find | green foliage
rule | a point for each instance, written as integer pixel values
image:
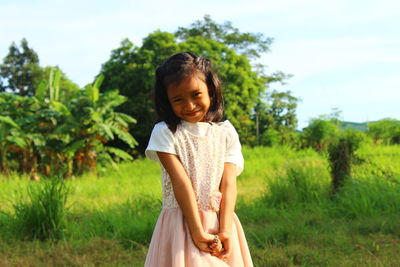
(368, 198)
(42, 215)
(304, 181)
(270, 137)
(377, 161)
(297, 223)
(8, 136)
(131, 222)
(54, 80)
(249, 44)
(386, 131)
(319, 134)
(61, 132)
(276, 116)
(242, 86)
(20, 72)
(341, 153)
(131, 69)
(362, 127)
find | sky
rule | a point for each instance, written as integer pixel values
(343, 54)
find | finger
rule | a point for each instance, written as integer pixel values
(217, 246)
(213, 245)
(209, 237)
(206, 250)
(227, 250)
(226, 253)
(225, 256)
(227, 246)
(216, 254)
(216, 250)
(204, 247)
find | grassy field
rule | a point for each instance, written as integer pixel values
(287, 211)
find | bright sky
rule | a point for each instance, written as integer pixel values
(343, 54)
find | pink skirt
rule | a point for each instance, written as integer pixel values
(172, 246)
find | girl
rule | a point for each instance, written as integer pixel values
(200, 158)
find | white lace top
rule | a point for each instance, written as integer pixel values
(203, 148)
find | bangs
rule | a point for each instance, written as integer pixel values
(176, 78)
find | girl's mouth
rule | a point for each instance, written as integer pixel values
(191, 114)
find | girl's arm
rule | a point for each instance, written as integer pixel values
(185, 197)
(229, 193)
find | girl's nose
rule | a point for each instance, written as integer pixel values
(189, 105)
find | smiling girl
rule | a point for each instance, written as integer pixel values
(200, 158)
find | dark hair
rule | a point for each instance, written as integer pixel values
(173, 71)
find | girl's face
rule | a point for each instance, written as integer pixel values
(189, 99)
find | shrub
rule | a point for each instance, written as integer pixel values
(385, 131)
(270, 137)
(319, 134)
(341, 154)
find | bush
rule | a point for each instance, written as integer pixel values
(341, 154)
(319, 134)
(385, 131)
(271, 137)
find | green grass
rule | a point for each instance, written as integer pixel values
(42, 215)
(284, 203)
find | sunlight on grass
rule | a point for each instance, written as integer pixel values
(284, 203)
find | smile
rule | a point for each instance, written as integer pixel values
(192, 113)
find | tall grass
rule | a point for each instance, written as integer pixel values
(379, 162)
(42, 214)
(131, 222)
(304, 181)
(284, 204)
(368, 198)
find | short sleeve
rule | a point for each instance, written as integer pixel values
(161, 140)
(233, 152)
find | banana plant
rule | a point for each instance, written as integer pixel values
(9, 131)
(57, 125)
(50, 87)
(100, 124)
(50, 132)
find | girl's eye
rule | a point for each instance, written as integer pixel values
(176, 100)
(197, 94)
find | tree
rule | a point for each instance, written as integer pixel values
(249, 44)
(276, 116)
(385, 131)
(20, 72)
(242, 86)
(67, 87)
(52, 134)
(319, 134)
(131, 70)
(9, 132)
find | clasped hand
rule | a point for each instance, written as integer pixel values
(218, 245)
